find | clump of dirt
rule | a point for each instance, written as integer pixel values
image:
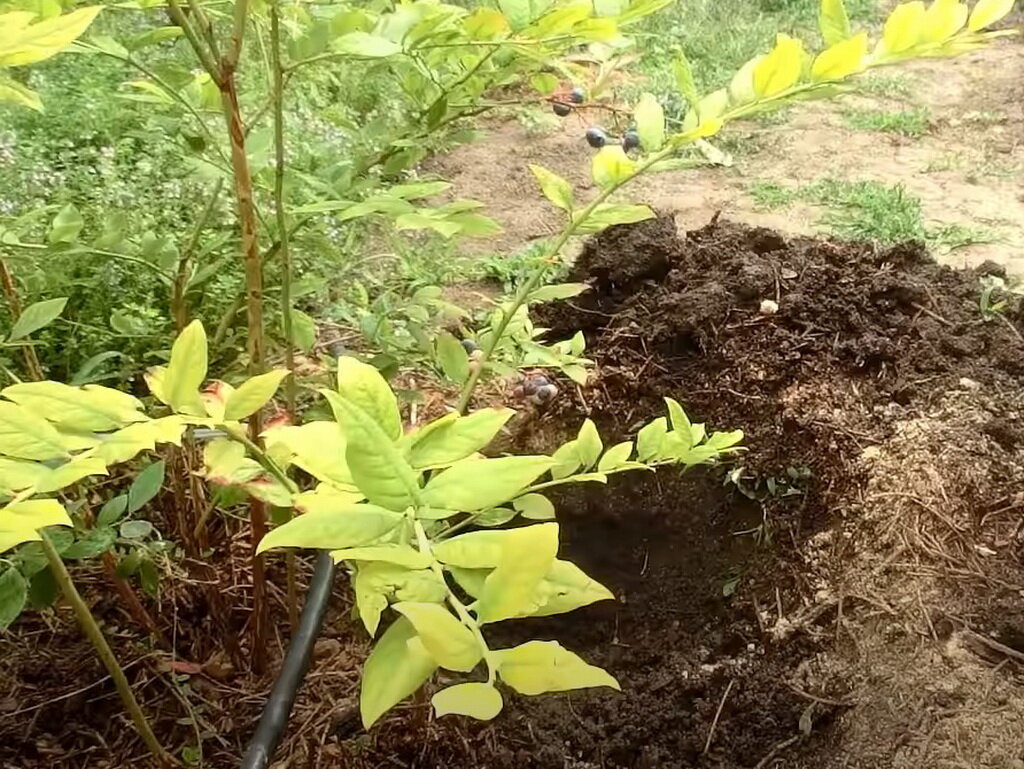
(866, 613)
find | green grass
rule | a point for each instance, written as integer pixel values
(719, 36)
(913, 123)
(886, 85)
(869, 210)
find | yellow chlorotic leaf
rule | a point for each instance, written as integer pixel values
(14, 92)
(904, 27)
(834, 21)
(780, 69)
(485, 24)
(448, 641)
(611, 166)
(476, 700)
(72, 472)
(326, 498)
(944, 19)
(362, 385)
(842, 59)
(316, 447)
(526, 557)
(395, 669)
(555, 188)
(538, 667)
(253, 394)
(356, 525)
(16, 475)
(187, 370)
(126, 443)
(24, 435)
(20, 521)
(88, 409)
(988, 12)
(650, 123)
(22, 43)
(741, 88)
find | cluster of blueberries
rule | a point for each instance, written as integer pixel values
(535, 388)
(597, 137)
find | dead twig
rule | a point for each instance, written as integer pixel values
(718, 714)
(778, 748)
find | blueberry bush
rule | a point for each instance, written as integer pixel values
(441, 539)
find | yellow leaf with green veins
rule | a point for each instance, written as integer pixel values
(616, 456)
(362, 385)
(449, 642)
(376, 582)
(71, 472)
(588, 444)
(988, 12)
(780, 69)
(842, 59)
(253, 394)
(186, 371)
(475, 550)
(944, 19)
(476, 700)
(395, 669)
(479, 484)
(538, 667)
(23, 435)
(526, 556)
(378, 469)
(400, 555)
(904, 27)
(326, 498)
(453, 438)
(122, 445)
(16, 474)
(20, 521)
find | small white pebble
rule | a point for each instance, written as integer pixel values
(969, 384)
(769, 307)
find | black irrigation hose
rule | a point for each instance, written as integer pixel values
(293, 671)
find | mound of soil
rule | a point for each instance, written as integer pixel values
(855, 600)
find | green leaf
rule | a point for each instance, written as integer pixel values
(135, 529)
(187, 370)
(544, 83)
(378, 469)
(448, 641)
(25, 435)
(112, 511)
(557, 291)
(13, 593)
(66, 226)
(146, 486)
(13, 92)
(349, 526)
(478, 484)
(94, 543)
(611, 166)
(42, 589)
(987, 13)
(253, 394)
(37, 316)
(526, 556)
(394, 670)
(365, 44)
(834, 21)
(588, 444)
(555, 188)
(536, 507)
(453, 438)
(303, 330)
(362, 385)
(615, 457)
(567, 460)
(538, 667)
(650, 123)
(650, 438)
(476, 700)
(684, 80)
(453, 357)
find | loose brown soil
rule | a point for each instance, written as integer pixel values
(874, 619)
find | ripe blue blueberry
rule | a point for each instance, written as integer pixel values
(545, 394)
(630, 141)
(469, 345)
(577, 95)
(596, 137)
(561, 109)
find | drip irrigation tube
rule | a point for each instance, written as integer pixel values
(293, 671)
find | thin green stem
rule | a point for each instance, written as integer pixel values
(524, 291)
(179, 308)
(92, 631)
(177, 14)
(261, 456)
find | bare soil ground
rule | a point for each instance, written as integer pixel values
(967, 169)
